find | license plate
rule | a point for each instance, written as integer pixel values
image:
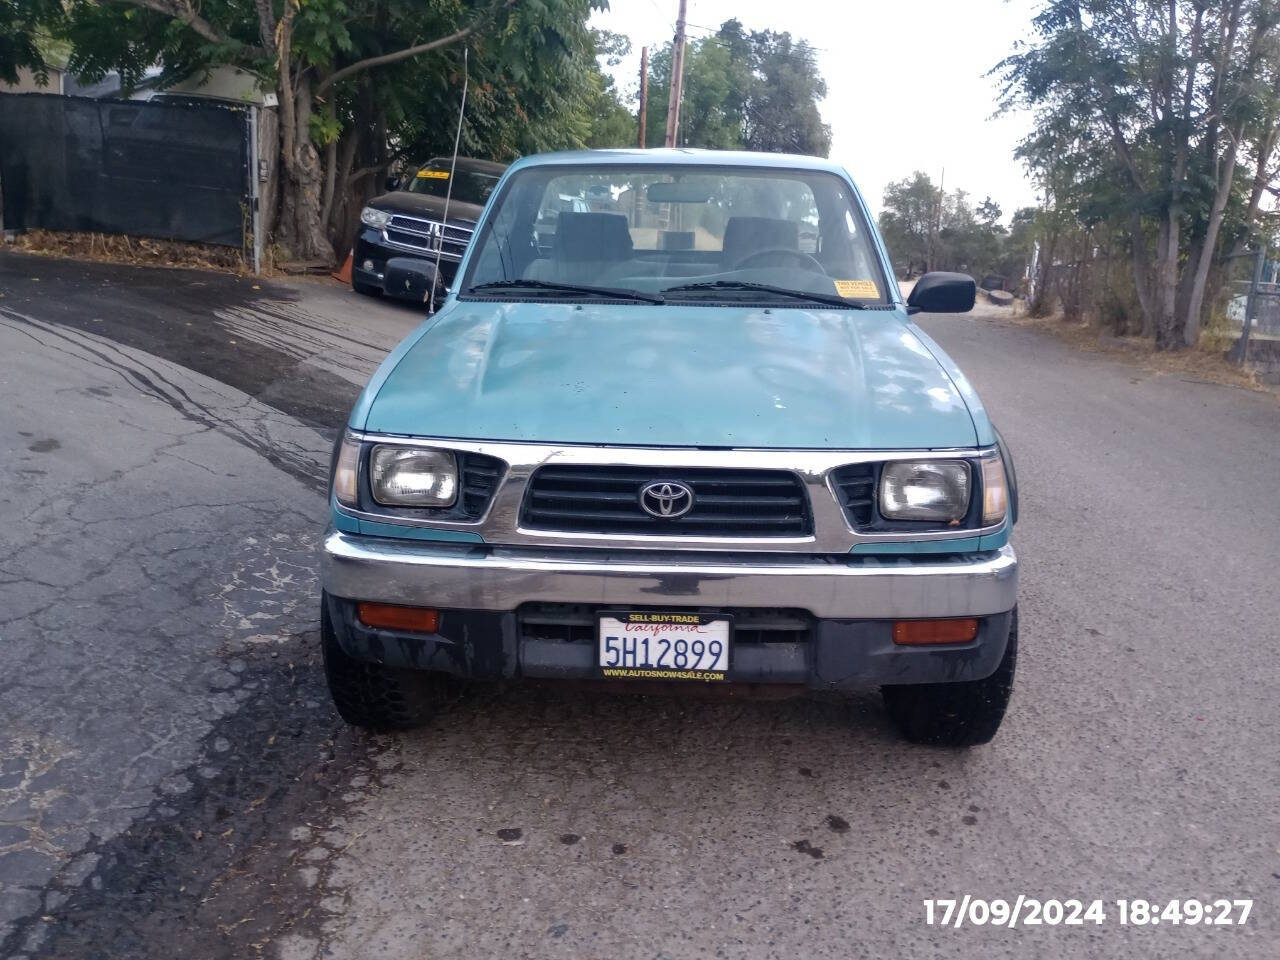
(664, 646)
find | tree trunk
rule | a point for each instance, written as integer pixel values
(335, 221)
(1187, 277)
(1040, 303)
(330, 163)
(1195, 302)
(1168, 332)
(301, 230)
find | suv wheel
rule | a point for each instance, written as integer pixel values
(368, 289)
(374, 696)
(960, 714)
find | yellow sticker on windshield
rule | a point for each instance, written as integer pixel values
(857, 289)
(433, 174)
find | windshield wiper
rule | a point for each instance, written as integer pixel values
(612, 293)
(832, 299)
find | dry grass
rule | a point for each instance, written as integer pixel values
(113, 248)
(1206, 363)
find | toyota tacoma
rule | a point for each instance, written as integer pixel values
(674, 427)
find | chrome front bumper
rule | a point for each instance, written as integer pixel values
(488, 578)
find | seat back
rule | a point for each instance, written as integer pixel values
(592, 236)
(744, 236)
(586, 244)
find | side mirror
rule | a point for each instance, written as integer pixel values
(940, 292)
(392, 184)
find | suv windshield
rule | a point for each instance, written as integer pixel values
(468, 186)
(688, 233)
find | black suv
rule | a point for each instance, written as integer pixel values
(402, 231)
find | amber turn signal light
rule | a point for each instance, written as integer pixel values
(923, 632)
(391, 617)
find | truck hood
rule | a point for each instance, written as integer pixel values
(640, 375)
(425, 205)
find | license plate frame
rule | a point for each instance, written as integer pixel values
(660, 626)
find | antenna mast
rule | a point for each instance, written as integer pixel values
(448, 193)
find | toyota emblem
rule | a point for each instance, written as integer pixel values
(666, 499)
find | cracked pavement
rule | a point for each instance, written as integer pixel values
(174, 782)
(158, 535)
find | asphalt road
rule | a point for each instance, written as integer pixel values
(173, 781)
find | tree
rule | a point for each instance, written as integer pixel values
(754, 91)
(908, 219)
(359, 82)
(926, 228)
(782, 115)
(709, 116)
(21, 26)
(1152, 101)
(613, 123)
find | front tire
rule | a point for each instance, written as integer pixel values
(374, 696)
(366, 289)
(962, 714)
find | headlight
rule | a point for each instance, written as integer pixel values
(375, 218)
(995, 491)
(935, 490)
(345, 470)
(413, 476)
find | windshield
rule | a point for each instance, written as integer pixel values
(684, 232)
(468, 186)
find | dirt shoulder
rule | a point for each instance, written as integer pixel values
(1207, 363)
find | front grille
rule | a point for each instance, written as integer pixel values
(577, 622)
(855, 487)
(419, 235)
(727, 503)
(479, 475)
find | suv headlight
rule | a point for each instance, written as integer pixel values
(413, 476)
(375, 218)
(935, 490)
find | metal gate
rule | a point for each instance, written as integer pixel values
(1254, 304)
(175, 170)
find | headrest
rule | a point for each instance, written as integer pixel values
(747, 235)
(592, 236)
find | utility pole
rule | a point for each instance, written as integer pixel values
(644, 94)
(677, 78)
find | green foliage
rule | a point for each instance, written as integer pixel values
(1155, 128)
(613, 122)
(782, 113)
(753, 91)
(529, 90)
(907, 221)
(324, 129)
(24, 37)
(927, 230)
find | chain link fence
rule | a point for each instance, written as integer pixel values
(1251, 291)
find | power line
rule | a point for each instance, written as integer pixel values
(701, 26)
(663, 16)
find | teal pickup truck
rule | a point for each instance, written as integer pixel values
(674, 427)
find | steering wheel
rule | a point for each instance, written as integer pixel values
(802, 258)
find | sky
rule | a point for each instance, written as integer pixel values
(906, 84)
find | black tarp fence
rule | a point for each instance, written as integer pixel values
(175, 171)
